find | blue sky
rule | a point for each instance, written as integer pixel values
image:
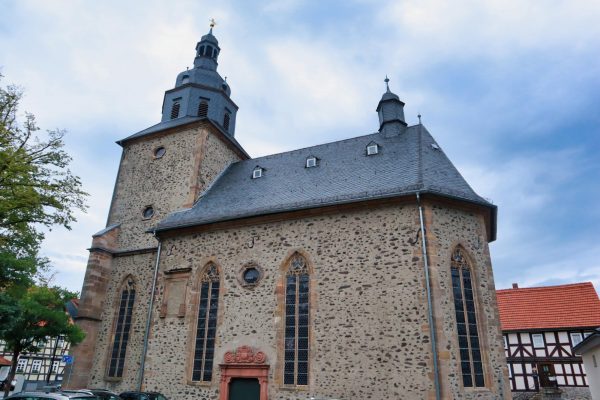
(510, 90)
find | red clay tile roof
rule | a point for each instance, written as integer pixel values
(563, 306)
(4, 362)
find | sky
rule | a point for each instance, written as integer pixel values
(509, 89)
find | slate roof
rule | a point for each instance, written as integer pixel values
(406, 164)
(173, 123)
(550, 307)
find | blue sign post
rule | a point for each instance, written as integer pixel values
(67, 359)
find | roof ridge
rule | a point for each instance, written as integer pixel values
(512, 290)
(321, 144)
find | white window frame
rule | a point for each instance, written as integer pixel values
(257, 173)
(572, 334)
(311, 162)
(505, 340)
(35, 363)
(372, 149)
(55, 366)
(21, 364)
(539, 343)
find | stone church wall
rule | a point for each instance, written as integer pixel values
(370, 337)
(193, 158)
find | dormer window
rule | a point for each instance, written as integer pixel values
(185, 79)
(311, 162)
(372, 149)
(257, 173)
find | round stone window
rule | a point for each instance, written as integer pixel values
(250, 275)
(159, 152)
(148, 212)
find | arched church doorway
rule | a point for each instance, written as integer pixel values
(244, 375)
(244, 389)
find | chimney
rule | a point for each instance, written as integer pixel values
(515, 285)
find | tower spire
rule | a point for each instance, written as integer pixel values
(387, 84)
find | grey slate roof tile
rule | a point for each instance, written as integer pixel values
(406, 164)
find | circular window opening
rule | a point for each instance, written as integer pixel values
(148, 212)
(159, 152)
(251, 276)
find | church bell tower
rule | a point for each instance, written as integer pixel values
(201, 91)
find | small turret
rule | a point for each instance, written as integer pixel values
(391, 113)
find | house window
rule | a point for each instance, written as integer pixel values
(538, 340)
(21, 364)
(203, 108)
(35, 366)
(175, 109)
(505, 342)
(206, 324)
(122, 329)
(372, 149)
(226, 119)
(576, 338)
(55, 365)
(296, 322)
(311, 162)
(466, 320)
(257, 173)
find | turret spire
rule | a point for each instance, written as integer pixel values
(391, 112)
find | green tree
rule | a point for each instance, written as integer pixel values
(26, 323)
(37, 190)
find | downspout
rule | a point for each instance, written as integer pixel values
(436, 374)
(149, 320)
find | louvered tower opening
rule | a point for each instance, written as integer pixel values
(203, 109)
(175, 110)
(226, 121)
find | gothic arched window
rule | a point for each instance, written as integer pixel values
(206, 326)
(296, 322)
(466, 320)
(122, 327)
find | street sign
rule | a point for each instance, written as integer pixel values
(67, 359)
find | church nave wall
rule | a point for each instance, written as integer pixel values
(369, 335)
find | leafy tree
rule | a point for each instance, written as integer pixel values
(26, 323)
(37, 190)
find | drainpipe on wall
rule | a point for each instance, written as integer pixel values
(149, 320)
(436, 374)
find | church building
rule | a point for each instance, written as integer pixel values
(357, 269)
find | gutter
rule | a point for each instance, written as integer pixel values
(436, 373)
(149, 319)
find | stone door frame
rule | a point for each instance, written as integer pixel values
(244, 363)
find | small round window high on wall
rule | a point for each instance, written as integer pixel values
(148, 212)
(250, 275)
(159, 152)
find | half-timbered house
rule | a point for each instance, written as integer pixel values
(541, 325)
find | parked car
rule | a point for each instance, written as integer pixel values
(51, 396)
(142, 396)
(101, 394)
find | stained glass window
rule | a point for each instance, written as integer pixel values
(122, 328)
(466, 321)
(206, 326)
(296, 323)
